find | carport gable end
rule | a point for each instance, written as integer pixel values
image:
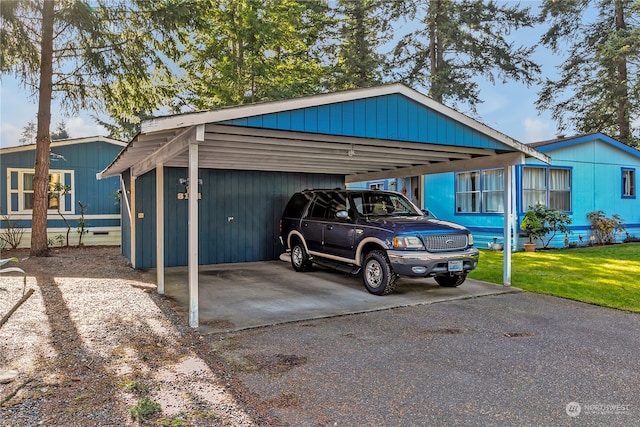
(377, 127)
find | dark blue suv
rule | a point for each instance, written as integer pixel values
(379, 233)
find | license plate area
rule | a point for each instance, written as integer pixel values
(454, 265)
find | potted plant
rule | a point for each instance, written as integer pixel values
(534, 228)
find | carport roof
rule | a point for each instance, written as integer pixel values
(373, 133)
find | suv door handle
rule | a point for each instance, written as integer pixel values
(329, 227)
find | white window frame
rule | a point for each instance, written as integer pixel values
(628, 183)
(20, 191)
(482, 193)
(546, 190)
(486, 190)
(474, 193)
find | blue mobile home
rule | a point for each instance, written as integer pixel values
(74, 163)
(587, 173)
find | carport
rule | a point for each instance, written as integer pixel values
(390, 131)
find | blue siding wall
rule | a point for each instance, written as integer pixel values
(393, 117)
(596, 185)
(255, 201)
(85, 159)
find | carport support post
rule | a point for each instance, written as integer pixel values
(193, 227)
(134, 216)
(160, 227)
(508, 222)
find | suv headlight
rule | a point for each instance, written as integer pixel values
(407, 242)
(470, 239)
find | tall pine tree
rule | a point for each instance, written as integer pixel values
(457, 42)
(598, 88)
(91, 55)
(362, 27)
(243, 51)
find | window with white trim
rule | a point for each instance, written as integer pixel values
(560, 189)
(480, 191)
(549, 187)
(493, 191)
(628, 183)
(20, 190)
(468, 192)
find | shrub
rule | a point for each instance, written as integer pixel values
(12, 235)
(540, 220)
(532, 225)
(144, 409)
(82, 223)
(604, 229)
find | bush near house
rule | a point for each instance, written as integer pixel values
(543, 223)
(604, 229)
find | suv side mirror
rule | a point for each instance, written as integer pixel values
(342, 215)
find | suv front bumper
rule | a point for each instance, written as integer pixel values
(428, 264)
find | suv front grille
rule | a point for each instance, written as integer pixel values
(446, 242)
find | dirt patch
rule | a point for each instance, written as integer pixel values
(94, 344)
(276, 364)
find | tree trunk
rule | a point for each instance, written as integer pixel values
(39, 244)
(624, 121)
(435, 51)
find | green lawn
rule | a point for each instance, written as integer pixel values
(602, 275)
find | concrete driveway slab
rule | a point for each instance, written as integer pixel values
(240, 296)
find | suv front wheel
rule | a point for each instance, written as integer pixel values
(377, 274)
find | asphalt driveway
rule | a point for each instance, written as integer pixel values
(315, 349)
(511, 359)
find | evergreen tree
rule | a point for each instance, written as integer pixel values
(28, 133)
(92, 54)
(61, 132)
(598, 89)
(363, 27)
(458, 41)
(247, 51)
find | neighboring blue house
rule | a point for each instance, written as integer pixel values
(74, 162)
(587, 173)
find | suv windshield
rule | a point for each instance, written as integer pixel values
(383, 204)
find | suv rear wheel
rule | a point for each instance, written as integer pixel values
(450, 281)
(299, 258)
(377, 274)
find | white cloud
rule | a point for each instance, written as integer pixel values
(537, 130)
(79, 128)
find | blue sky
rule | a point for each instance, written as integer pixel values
(508, 108)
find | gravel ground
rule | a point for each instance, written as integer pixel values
(94, 340)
